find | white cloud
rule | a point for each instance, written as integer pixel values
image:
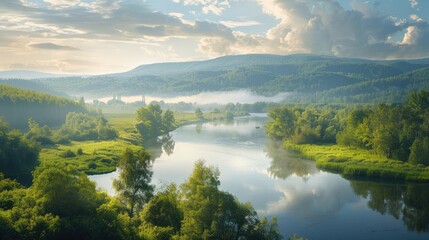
(325, 27)
(62, 3)
(235, 24)
(175, 14)
(416, 18)
(207, 6)
(414, 3)
(212, 8)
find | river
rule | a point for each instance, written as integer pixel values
(307, 201)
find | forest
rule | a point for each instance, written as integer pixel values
(393, 132)
(18, 105)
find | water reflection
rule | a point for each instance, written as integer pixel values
(164, 144)
(409, 202)
(285, 163)
(312, 203)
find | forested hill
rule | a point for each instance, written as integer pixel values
(309, 77)
(32, 85)
(18, 105)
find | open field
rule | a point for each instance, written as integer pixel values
(102, 156)
(98, 156)
(354, 162)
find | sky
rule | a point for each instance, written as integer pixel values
(106, 36)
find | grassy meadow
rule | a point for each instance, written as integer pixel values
(99, 157)
(355, 162)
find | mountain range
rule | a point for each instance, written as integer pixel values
(309, 78)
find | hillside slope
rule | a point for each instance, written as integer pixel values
(18, 105)
(304, 75)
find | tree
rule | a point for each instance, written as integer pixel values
(420, 151)
(213, 214)
(282, 123)
(18, 155)
(152, 122)
(199, 114)
(168, 121)
(64, 192)
(163, 210)
(133, 184)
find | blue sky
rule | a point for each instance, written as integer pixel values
(103, 36)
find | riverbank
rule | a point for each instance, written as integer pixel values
(99, 157)
(354, 162)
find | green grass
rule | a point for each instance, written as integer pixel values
(98, 156)
(354, 162)
(102, 156)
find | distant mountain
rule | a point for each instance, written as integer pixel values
(218, 64)
(25, 74)
(309, 78)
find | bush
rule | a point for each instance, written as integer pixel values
(68, 154)
(79, 151)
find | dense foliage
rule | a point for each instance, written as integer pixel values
(133, 185)
(77, 127)
(307, 78)
(395, 131)
(304, 125)
(17, 106)
(18, 156)
(63, 203)
(152, 121)
(83, 126)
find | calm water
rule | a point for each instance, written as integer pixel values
(307, 201)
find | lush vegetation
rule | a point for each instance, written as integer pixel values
(371, 138)
(307, 78)
(18, 156)
(77, 127)
(17, 106)
(63, 204)
(152, 121)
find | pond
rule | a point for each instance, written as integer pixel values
(307, 201)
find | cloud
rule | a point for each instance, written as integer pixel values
(52, 46)
(325, 27)
(126, 21)
(207, 6)
(62, 3)
(235, 24)
(127, 28)
(177, 15)
(414, 3)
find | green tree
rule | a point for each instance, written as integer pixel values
(18, 155)
(168, 121)
(133, 184)
(213, 214)
(64, 192)
(199, 114)
(420, 151)
(163, 210)
(282, 123)
(153, 122)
